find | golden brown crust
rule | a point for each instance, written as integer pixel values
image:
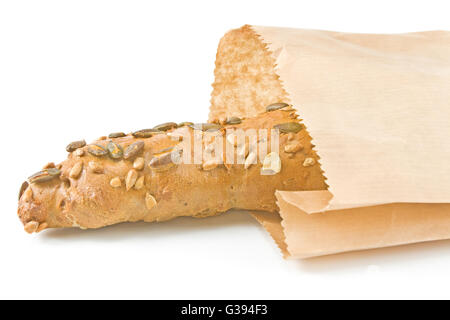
(90, 199)
(245, 78)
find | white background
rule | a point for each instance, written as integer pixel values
(82, 69)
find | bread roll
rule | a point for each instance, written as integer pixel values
(128, 178)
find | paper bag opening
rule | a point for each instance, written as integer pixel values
(377, 109)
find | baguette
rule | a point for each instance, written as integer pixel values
(126, 178)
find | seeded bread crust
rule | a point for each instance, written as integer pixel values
(91, 191)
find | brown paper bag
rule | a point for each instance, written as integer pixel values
(378, 110)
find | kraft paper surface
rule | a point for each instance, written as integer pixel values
(377, 108)
(302, 235)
